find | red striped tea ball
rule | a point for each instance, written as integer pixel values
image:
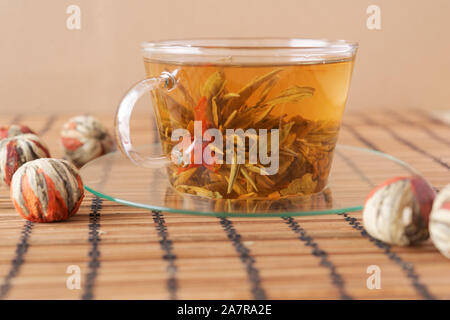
(14, 130)
(47, 190)
(440, 222)
(398, 210)
(84, 138)
(17, 150)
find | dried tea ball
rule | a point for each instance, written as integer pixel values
(440, 222)
(14, 130)
(398, 210)
(17, 150)
(47, 190)
(84, 138)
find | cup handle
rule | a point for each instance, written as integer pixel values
(122, 122)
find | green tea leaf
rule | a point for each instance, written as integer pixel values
(285, 130)
(199, 191)
(229, 119)
(247, 91)
(267, 89)
(215, 111)
(248, 178)
(261, 113)
(303, 185)
(292, 94)
(177, 111)
(184, 176)
(234, 172)
(230, 95)
(213, 85)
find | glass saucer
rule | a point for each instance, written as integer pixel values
(354, 173)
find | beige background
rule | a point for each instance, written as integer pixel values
(45, 67)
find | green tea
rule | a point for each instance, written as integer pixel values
(302, 103)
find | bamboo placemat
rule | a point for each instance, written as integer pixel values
(131, 253)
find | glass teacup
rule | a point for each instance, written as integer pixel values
(243, 118)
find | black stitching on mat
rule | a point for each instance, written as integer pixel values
(405, 142)
(359, 172)
(48, 124)
(94, 253)
(167, 247)
(18, 260)
(164, 241)
(368, 144)
(94, 238)
(17, 118)
(360, 137)
(244, 254)
(431, 119)
(336, 278)
(407, 267)
(432, 134)
(22, 246)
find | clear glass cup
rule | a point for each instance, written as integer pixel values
(243, 118)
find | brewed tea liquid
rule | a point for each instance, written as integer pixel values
(305, 102)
